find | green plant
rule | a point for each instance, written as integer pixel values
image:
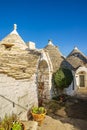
(38, 110)
(17, 126)
(41, 109)
(7, 122)
(62, 79)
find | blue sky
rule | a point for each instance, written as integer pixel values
(62, 21)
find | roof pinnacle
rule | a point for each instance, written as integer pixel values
(15, 26)
(75, 48)
(50, 42)
(15, 30)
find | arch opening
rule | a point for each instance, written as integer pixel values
(43, 82)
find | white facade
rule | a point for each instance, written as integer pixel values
(17, 96)
(80, 74)
(78, 85)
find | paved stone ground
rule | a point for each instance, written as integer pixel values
(30, 125)
(66, 124)
(52, 124)
(73, 117)
(57, 124)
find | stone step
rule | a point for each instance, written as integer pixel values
(30, 125)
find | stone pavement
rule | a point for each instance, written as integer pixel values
(53, 124)
(30, 125)
(68, 124)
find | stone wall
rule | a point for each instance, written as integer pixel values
(17, 96)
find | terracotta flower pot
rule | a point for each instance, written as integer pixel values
(39, 117)
(23, 126)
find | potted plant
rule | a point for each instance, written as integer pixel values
(11, 123)
(38, 114)
(7, 121)
(18, 126)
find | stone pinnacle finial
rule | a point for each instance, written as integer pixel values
(15, 26)
(75, 48)
(50, 42)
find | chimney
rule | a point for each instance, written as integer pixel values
(31, 45)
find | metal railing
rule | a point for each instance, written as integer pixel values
(14, 103)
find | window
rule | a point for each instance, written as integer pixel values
(82, 80)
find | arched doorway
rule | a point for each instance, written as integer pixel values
(43, 82)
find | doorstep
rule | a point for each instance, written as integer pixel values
(30, 125)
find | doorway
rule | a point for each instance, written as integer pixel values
(82, 80)
(43, 82)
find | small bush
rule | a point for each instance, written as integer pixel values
(62, 78)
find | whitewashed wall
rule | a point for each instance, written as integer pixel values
(71, 90)
(17, 96)
(81, 69)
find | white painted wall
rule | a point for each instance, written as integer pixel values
(31, 45)
(22, 92)
(70, 90)
(81, 69)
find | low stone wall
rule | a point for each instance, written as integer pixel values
(17, 96)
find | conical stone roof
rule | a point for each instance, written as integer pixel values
(55, 55)
(14, 39)
(15, 60)
(76, 58)
(19, 65)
